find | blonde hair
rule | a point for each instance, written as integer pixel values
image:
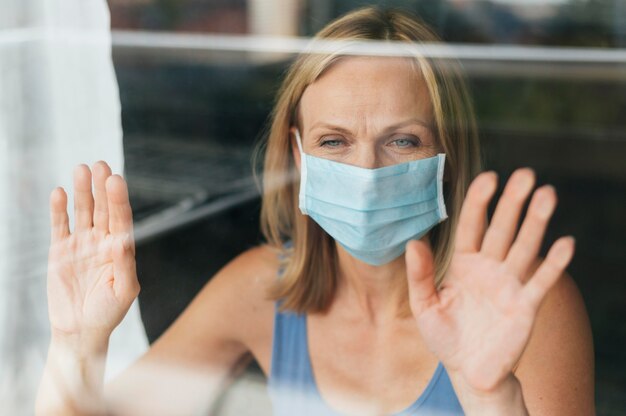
(309, 269)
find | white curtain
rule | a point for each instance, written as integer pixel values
(59, 106)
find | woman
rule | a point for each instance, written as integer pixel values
(389, 292)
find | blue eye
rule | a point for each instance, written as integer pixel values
(406, 142)
(331, 143)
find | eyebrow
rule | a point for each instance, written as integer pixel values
(321, 124)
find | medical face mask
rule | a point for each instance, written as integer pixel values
(372, 213)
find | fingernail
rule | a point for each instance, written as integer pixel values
(565, 251)
(545, 205)
(526, 182)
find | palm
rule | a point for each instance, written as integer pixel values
(482, 316)
(480, 320)
(91, 276)
(80, 284)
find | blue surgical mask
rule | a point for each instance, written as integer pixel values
(372, 213)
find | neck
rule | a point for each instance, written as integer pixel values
(377, 294)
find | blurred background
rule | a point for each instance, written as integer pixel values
(197, 79)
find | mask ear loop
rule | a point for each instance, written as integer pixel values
(303, 176)
(299, 141)
(441, 159)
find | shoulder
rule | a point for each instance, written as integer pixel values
(556, 369)
(232, 311)
(247, 275)
(240, 290)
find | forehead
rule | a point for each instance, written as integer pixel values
(375, 88)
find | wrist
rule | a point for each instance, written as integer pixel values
(73, 377)
(504, 399)
(83, 344)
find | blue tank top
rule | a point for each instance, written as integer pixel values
(293, 391)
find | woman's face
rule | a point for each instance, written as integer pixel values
(368, 112)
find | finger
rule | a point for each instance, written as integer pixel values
(125, 284)
(59, 220)
(528, 242)
(473, 217)
(101, 171)
(421, 276)
(559, 256)
(83, 199)
(503, 225)
(120, 214)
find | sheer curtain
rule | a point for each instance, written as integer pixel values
(59, 106)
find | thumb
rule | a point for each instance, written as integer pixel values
(125, 285)
(420, 270)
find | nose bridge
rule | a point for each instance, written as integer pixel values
(367, 150)
(367, 154)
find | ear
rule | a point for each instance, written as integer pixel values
(294, 146)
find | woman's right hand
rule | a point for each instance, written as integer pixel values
(92, 278)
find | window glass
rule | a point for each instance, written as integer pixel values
(197, 84)
(548, 79)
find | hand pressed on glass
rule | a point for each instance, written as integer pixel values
(480, 320)
(92, 279)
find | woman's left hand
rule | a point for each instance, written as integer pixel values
(479, 321)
